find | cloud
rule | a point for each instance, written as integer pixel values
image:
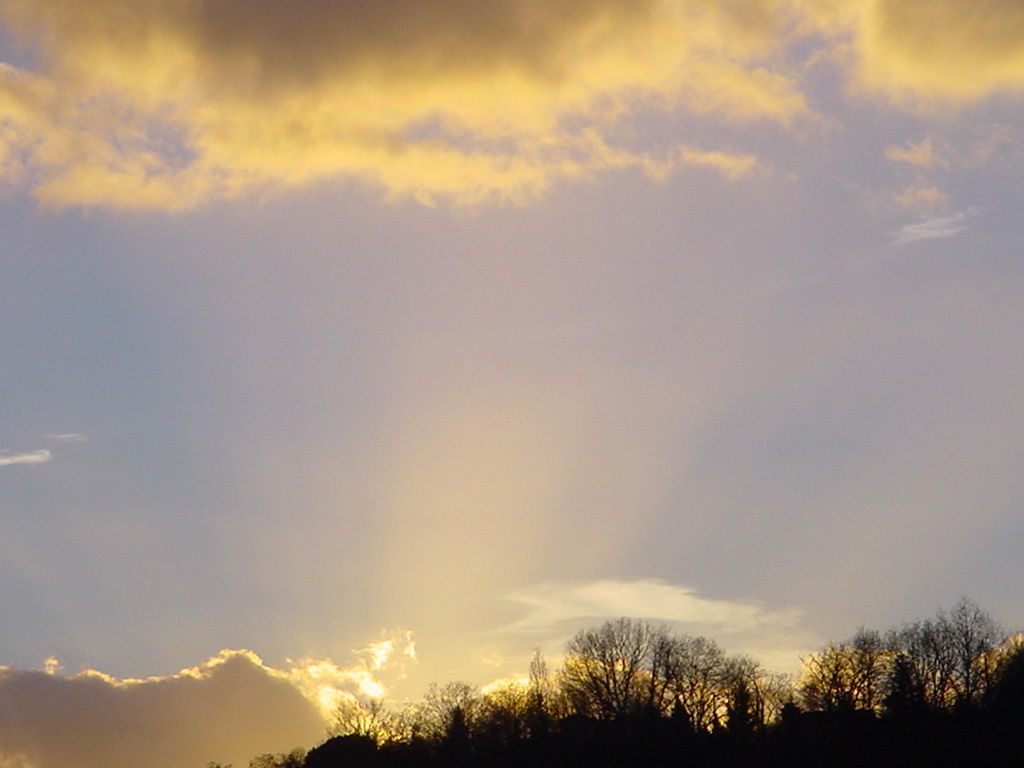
(554, 603)
(226, 710)
(165, 104)
(936, 227)
(32, 457)
(69, 437)
(924, 154)
(921, 196)
(556, 609)
(929, 52)
(379, 665)
(168, 105)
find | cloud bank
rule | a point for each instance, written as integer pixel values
(163, 104)
(168, 104)
(226, 710)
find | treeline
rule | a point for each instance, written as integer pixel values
(948, 691)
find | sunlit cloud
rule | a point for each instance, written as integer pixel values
(168, 105)
(379, 665)
(551, 604)
(556, 610)
(929, 54)
(31, 457)
(933, 228)
(226, 710)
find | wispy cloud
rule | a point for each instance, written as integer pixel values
(552, 603)
(32, 457)
(556, 610)
(69, 437)
(935, 227)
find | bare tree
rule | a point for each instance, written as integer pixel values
(546, 702)
(628, 667)
(446, 710)
(926, 644)
(697, 677)
(607, 671)
(774, 690)
(847, 675)
(870, 660)
(973, 635)
(357, 717)
(953, 654)
(826, 682)
(747, 686)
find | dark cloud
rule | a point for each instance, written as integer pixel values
(227, 710)
(296, 40)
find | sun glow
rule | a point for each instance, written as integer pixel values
(377, 667)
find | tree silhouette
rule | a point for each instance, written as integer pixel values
(607, 671)
(941, 692)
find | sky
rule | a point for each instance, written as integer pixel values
(350, 347)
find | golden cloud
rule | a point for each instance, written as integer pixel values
(167, 104)
(933, 52)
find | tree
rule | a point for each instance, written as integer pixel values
(294, 759)
(973, 636)
(504, 714)
(848, 675)
(870, 660)
(697, 679)
(371, 718)
(609, 671)
(545, 702)
(926, 644)
(826, 683)
(905, 696)
(953, 653)
(750, 693)
(1006, 694)
(446, 710)
(740, 719)
(342, 751)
